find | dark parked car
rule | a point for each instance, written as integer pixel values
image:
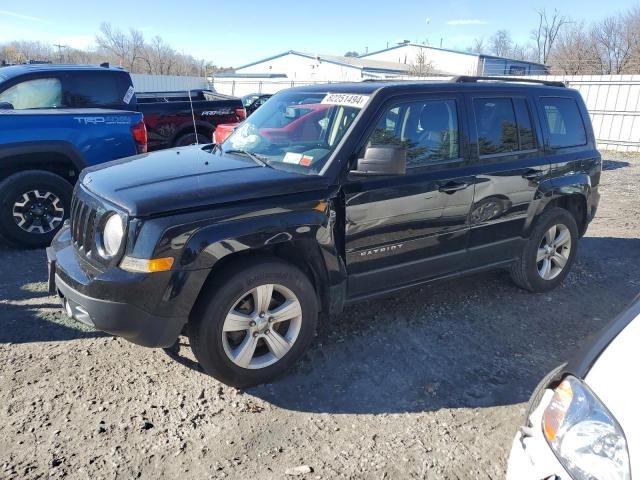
(167, 115)
(325, 196)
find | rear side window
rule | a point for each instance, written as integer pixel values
(496, 125)
(96, 89)
(566, 128)
(37, 93)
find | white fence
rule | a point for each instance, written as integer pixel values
(613, 102)
(166, 83)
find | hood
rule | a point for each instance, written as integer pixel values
(188, 178)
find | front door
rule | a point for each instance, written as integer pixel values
(405, 229)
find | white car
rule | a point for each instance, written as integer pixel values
(583, 421)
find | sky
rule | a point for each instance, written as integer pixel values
(233, 33)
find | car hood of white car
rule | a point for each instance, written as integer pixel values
(614, 379)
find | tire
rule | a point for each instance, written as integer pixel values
(48, 193)
(529, 273)
(190, 139)
(237, 290)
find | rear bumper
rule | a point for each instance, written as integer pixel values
(147, 309)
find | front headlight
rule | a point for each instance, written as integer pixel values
(112, 235)
(584, 435)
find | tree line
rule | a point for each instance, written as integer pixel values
(608, 47)
(128, 49)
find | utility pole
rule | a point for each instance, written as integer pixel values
(60, 47)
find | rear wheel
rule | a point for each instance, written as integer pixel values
(549, 252)
(255, 324)
(190, 139)
(33, 206)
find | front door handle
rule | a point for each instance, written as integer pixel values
(532, 174)
(451, 187)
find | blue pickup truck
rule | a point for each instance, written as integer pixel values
(41, 154)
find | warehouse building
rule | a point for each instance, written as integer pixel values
(295, 65)
(454, 62)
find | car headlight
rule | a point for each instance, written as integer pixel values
(112, 235)
(584, 435)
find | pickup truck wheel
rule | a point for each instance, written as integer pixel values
(190, 139)
(549, 252)
(33, 206)
(255, 323)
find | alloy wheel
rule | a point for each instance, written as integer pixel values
(553, 252)
(38, 211)
(262, 326)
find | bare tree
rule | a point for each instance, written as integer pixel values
(421, 67)
(545, 36)
(501, 44)
(575, 52)
(616, 41)
(478, 46)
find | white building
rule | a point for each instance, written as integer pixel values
(454, 62)
(294, 65)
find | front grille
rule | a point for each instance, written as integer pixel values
(83, 224)
(88, 214)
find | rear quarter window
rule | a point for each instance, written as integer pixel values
(97, 89)
(564, 121)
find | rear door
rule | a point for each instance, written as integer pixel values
(405, 229)
(510, 163)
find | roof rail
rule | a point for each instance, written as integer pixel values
(471, 79)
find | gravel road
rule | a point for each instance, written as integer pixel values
(428, 383)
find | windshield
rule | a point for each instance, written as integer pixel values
(296, 131)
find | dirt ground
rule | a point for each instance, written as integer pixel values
(429, 383)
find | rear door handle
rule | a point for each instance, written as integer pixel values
(451, 187)
(532, 174)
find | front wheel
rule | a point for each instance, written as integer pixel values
(33, 206)
(549, 252)
(252, 325)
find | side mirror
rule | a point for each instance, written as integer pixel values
(382, 160)
(6, 106)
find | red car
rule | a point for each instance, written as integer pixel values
(298, 122)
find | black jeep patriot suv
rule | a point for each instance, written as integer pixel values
(327, 195)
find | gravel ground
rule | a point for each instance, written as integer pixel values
(429, 383)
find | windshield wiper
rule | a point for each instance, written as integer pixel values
(260, 161)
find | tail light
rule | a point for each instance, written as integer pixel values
(139, 132)
(241, 113)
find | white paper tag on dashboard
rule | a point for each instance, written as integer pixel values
(292, 157)
(345, 99)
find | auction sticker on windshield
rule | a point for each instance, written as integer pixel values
(345, 99)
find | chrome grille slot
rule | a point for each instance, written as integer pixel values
(83, 218)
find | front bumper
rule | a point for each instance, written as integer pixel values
(146, 309)
(531, 457)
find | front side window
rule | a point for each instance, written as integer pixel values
(38, 93)
(428, 129)
(296, 131)
(564, 120)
